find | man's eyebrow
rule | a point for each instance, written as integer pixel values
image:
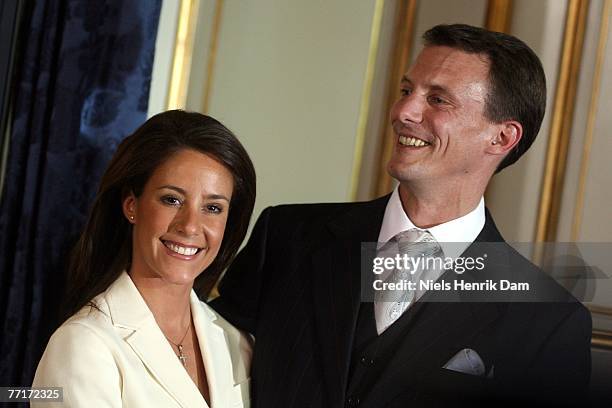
(432, 87)
(440, 88)
(183, 192)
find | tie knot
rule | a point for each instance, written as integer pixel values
(415, 241)
(414, 235)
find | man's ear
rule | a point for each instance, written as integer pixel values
(129, 207)
(508, 136)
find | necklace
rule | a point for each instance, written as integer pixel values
(181, 356)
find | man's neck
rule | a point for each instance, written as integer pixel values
(427, 208)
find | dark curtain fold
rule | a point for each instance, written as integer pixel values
(82, 86)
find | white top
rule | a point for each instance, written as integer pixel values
(457, 234)
(117, 356)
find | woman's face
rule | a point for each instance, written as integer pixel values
(179, 219)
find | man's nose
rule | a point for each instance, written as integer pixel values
(409, 108)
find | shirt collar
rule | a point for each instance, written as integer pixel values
(457, 234)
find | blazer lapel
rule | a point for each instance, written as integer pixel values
(131, 316)
(216, 355)
(336, 264)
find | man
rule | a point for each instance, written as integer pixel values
(471, 104)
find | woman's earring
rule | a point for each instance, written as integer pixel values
(131, 218)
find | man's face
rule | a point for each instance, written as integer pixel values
(439, 124)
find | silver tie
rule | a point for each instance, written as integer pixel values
(389, 305)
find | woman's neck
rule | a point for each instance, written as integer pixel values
(169, 303)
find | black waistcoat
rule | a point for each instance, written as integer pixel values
(371, 353)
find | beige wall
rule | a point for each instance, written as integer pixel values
(288, 80)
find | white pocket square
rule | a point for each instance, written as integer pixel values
(467, 361)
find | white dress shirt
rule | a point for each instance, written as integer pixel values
(453, 236)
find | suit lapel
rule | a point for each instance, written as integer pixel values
(132, 317)
(336, 264)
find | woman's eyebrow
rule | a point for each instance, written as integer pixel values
(175, 188)
(183, 192)
(217, 197)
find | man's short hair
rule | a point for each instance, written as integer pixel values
(517, 85)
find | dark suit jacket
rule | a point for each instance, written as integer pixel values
(296, 287)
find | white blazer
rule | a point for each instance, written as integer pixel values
(118, 357)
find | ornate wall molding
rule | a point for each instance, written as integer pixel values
(366, 94)
(183, 51)
(588, 138)
(499, 15)
(563, 112)
(403, 39)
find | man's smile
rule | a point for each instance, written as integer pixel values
(412, 141)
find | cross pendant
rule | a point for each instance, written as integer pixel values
(182, 356)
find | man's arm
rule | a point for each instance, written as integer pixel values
(563, 366)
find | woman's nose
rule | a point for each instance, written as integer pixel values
(188, 221)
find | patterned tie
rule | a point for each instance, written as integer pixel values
(389, 305)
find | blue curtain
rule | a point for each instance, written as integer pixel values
(82, 86)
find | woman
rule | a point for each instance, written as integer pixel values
(171, 211)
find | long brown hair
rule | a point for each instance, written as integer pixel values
(104, 248)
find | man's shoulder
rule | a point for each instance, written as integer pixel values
(514, 265)
(520, 268)
(322, 212)
(328, 208)
(553, 295)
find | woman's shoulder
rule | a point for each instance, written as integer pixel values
(95, 315)
(87, 342)
(85, 328)
(79, 349)
(111, 312)
(91, 324)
